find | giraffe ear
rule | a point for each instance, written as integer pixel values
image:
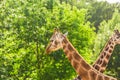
(65, 34)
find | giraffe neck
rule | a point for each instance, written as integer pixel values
(103, 59)
(84, 70)
(79, 64)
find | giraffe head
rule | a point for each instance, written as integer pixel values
(55, 41)
(117, 37)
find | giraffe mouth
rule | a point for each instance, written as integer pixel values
(48, 49)
(48, 52)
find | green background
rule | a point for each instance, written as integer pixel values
(27, 25)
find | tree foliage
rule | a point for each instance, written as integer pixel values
(106, 30)
(26, 27)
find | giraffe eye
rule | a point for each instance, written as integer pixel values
(117, 37)
(56, 42)
(51, 40)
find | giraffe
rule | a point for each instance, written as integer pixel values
(102, 61)
(83, 69)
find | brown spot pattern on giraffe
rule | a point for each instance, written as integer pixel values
(65, 41)
(100, 62)
(70, 57)
(93, 75)
(110, 51)
(70, 48)
(104, 63)
(76, 56)
(102, 70)
(64, 47)
(75, 64)
(100, 77)
(109, 43)
(101, 56)
(111, 47)
(107, 56)
(104, 53)
(86, 66)
(97, 67)
(66, 52)
(106, 48)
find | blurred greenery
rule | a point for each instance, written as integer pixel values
(27, 25)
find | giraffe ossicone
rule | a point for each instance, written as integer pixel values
(83, 69)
